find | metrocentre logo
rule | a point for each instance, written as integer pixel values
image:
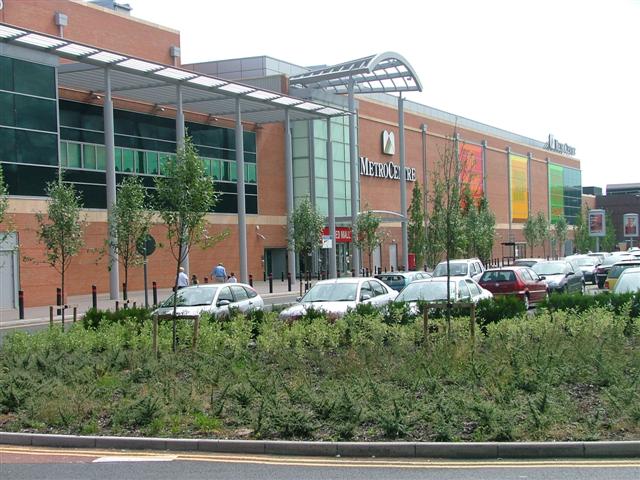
(385, 170)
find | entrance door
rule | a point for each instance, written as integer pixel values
(8, 270)
(275, 262)
(393, 256)
(375, 259)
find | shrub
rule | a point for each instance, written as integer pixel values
(498, 308)
(93, 318)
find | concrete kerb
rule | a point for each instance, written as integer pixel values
(452, 450)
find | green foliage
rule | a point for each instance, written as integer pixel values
(498, 308)
(543, 229)
(305, 229)
(583, 242)
(129, 221)
(560, 234)
(62, 229)
(416, 230)
(530, 232)
(367, 235)
(619, 303)
(93, 319)
(4, 200)
(608, 242)
(485, 231)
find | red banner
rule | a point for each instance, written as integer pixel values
(343, 234)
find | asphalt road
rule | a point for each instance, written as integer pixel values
(22, 463)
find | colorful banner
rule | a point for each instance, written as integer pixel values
(630, 224)
(556, 192)
(471, 167)
(519, 177)
(597, 226)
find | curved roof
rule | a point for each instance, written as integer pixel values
(383, 73)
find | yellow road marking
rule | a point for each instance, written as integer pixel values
(334, 462)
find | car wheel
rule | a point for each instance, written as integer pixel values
(526, 301)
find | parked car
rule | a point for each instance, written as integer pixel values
(527, 262)
(214, 299)
(522, 282)
(560, 276)
(336, 296)
(399, 280)
(467, 267)
(435, 290)
(616, 270)
(599, 256)
(629, 281)
(603, 269)
(587, 264)
(635, 251)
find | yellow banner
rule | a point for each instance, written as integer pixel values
(519, 188)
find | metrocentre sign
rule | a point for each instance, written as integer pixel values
(385, 170)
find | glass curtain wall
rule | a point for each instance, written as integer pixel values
(565, 192)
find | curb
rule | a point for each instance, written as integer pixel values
(451, 450)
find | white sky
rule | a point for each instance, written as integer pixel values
(533, 67)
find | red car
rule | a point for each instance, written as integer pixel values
(520, 281)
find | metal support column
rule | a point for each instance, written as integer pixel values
(403, 185)
(425, 178)
(529, 191)
(353, 161)
(484, 168)
(242, 218)
(333, 268)
(109, 145)
(510, 239)
(180, 134)
(288, 173)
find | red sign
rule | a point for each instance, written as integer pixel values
(343, 234)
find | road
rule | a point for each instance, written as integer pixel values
(22, 463)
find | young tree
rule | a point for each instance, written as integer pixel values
(184, 195)
(4, 198)
(129, 222)
(469, 214)
(608, 242)
(560, 234)
(530, 232)
(306, 231)
(485, 232)
(416, 226)
(61, 230)
(544, 231)
(583, 242)
(368, 237)
(434, 225)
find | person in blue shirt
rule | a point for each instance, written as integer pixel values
(219, 274)
(183, 280)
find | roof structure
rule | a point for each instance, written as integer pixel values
(139, 80)
(383, 73)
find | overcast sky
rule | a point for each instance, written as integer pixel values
(533, 67)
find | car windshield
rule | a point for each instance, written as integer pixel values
(393, 280)
(455, 269)
(498, 276)
(331, 292)
(192, 297)
(549, 268)
(629, 282)
(427, 291)
(585, 262)
(525, 263)
(610, 260)
(616, 270)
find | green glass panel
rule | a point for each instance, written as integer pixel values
(128, 160)
(6, 109)
(36, 147)
(216, 169)
(250, 173)
(34, 79)
(118, 159)
(89, 156)
(320, 167)
(556, 191)
(321, 187)
(300, 167)
(141, 166)
(300, 147)
(301, 186)
(63, 154)
(320, 129)
(152, 162)
(101, 157)
(73, 155)
(35, 113)
(6, 73)
(233, 170)
(299, 129)
(320, 148)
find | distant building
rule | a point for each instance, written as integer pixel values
(591, 190)
(620, 199)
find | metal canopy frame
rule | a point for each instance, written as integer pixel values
(155, 83)
(383, 73)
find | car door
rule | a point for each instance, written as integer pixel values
(224, 301)
(464, 295)
(474, 289)
(537, 287)
(574, 282)
(382, 293)
(366, 293)
(241, 298)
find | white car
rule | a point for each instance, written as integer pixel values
(215, 299)
(467, 267)
(629, 281)
(435, 290)
(336, 296)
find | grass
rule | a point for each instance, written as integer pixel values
(555, 376)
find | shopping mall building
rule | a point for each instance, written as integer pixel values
(93, 94)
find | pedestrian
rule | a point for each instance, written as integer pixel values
(194, 279)
(219, 273)
(232, 278)
(183, 280)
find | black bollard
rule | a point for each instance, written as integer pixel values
(338, 273)
(124, 291)
(282, 276)
(353, 272)
(206, 279)
(58, 299)
(270, 282)
(250, 280)
(94, 297)
(155, 293)
(21, 304)
(289, 281)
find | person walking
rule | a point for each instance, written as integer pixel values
(183, 280)
(219, 273)
(232, 278)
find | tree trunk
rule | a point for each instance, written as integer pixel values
(175, 300)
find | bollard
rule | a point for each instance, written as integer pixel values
(289, 281)
(251, 280)
(319, 274)
(117, 305)
(353, 272)
(206, 279)
(124, 291)
(270, 282)
(155, 294)
(94, 297)
(134, 304)
(50, 316)
(21, 304)
(282, 276)
(264, 276)
(75, 314)
(58, 299)
(338, 273)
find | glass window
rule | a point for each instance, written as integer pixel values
(118, 159)
(239, 292)
(141, 166)
(36, 147)
(473, 288)
(152, 162)
(225, 294)
(63, 154)
(378, 288)
(89, 156)
(34, 79)
(6, 80)
(6, 108)
(101, 157)
(250, 173)
(463, 291)
(128, 160)
(366, 291)
(233, 170)
(216, 169)
(251, 293)
(35, 113)
(73, 155)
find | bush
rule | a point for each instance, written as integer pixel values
(582, 303)
(498, 308)
(93, 318)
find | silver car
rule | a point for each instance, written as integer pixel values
(215, 299)
(337, 296)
